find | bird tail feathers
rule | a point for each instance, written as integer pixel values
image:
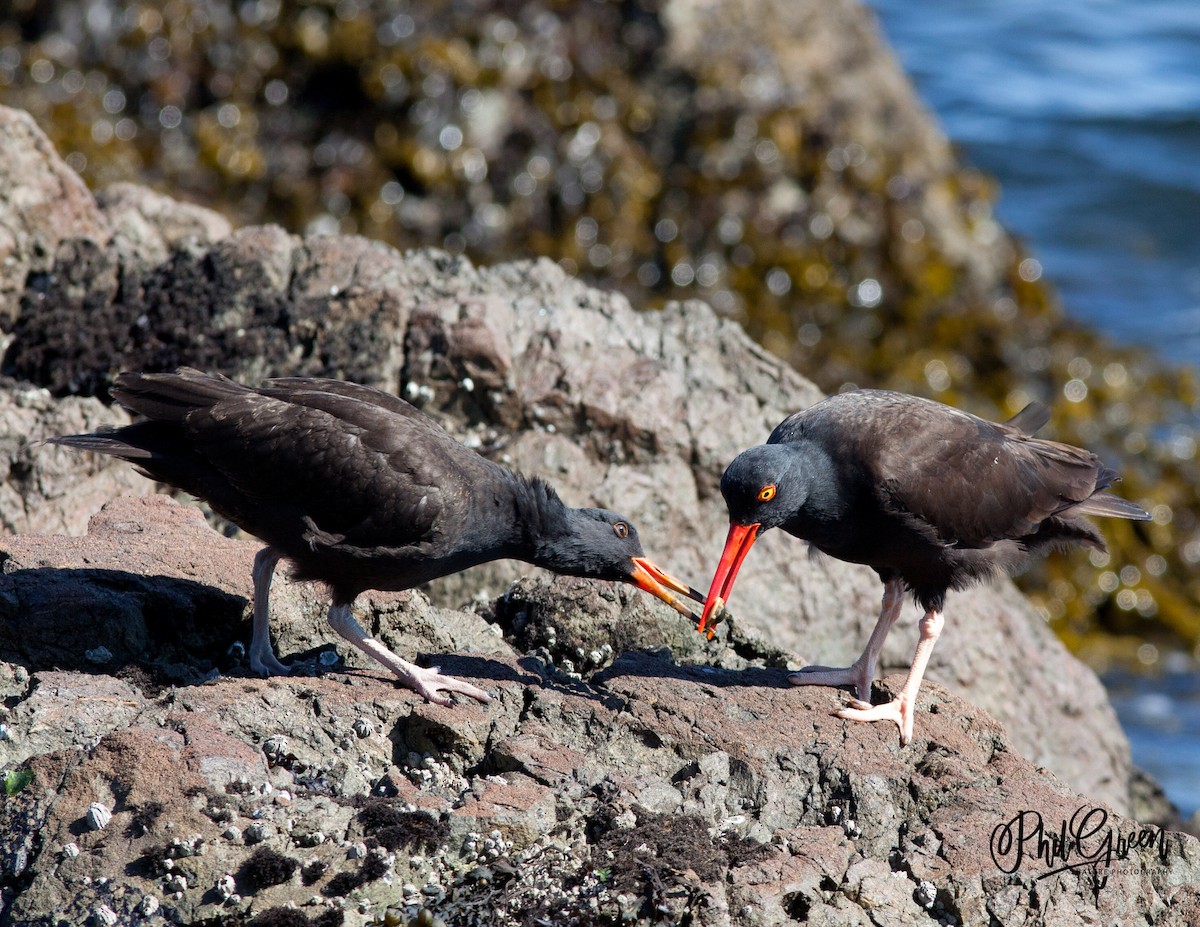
(1030, 419)
(1110, 506)
(102, 444)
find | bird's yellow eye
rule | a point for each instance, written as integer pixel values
(621, 530)
(767, 493)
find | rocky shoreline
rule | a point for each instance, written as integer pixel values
(628, 771)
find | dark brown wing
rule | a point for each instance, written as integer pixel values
(974, 482)
(283, 387)
(302, 460)
(360, 472)
(963, 479)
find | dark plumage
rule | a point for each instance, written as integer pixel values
(931, 497)
(360, 490)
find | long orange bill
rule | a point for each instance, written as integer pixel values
(741, 538)
(656, 581)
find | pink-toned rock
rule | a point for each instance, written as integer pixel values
(42, 202)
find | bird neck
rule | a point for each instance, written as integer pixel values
(824, 499)
(542, 520)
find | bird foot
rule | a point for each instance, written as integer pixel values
(267, 664)
(899, 710)
(426, 682)
(430, 684)
(855, 675)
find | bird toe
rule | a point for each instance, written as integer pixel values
(897, 710)
(270, 667)
(439, 689)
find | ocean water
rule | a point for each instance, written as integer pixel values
(1088, 113)
(1161, 715)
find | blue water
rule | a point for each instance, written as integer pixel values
(1161, 715)
(1088, 113)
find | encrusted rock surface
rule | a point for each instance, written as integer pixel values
(615, 726)
(694, 789)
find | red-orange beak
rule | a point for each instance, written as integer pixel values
(650, 578)
(741, 538)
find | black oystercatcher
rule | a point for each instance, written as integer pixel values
(359, 490)
(930, 497)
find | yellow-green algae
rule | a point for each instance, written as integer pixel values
(507, 130)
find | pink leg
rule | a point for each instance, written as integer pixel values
(428, 683)
(861, 673)
(903, 707)
(261, 654)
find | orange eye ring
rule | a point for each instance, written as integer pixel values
(767, 493)
(621, 530)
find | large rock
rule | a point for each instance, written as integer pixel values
(42, 202)
(643, 789)
(744, 786)
(639, 412)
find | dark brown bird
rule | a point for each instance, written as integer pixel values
(930, 497)
(359, 490)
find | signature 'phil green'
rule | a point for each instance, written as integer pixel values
(1083, 840)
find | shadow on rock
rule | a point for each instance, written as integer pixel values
(102, 620)
(660, 666)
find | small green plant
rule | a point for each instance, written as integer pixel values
(15, 780)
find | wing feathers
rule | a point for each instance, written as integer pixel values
(971, 481)
(170, 397)
(362, 465)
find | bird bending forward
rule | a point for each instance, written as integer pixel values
(359, 490)
(930, 497)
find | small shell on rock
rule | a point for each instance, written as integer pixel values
(175, 882)
(98, 655)
(357, 851)
(225, 886)
(363, 728)
(925, 894)
(255, 833)
(4, 732)
(97, 816)
(104, 915)
(148, 906)
(182, 848)
(232, 833)
(70, 850)
(328, 658)
(274, 746)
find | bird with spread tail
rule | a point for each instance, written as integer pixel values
(359, 490)
(930, 497)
